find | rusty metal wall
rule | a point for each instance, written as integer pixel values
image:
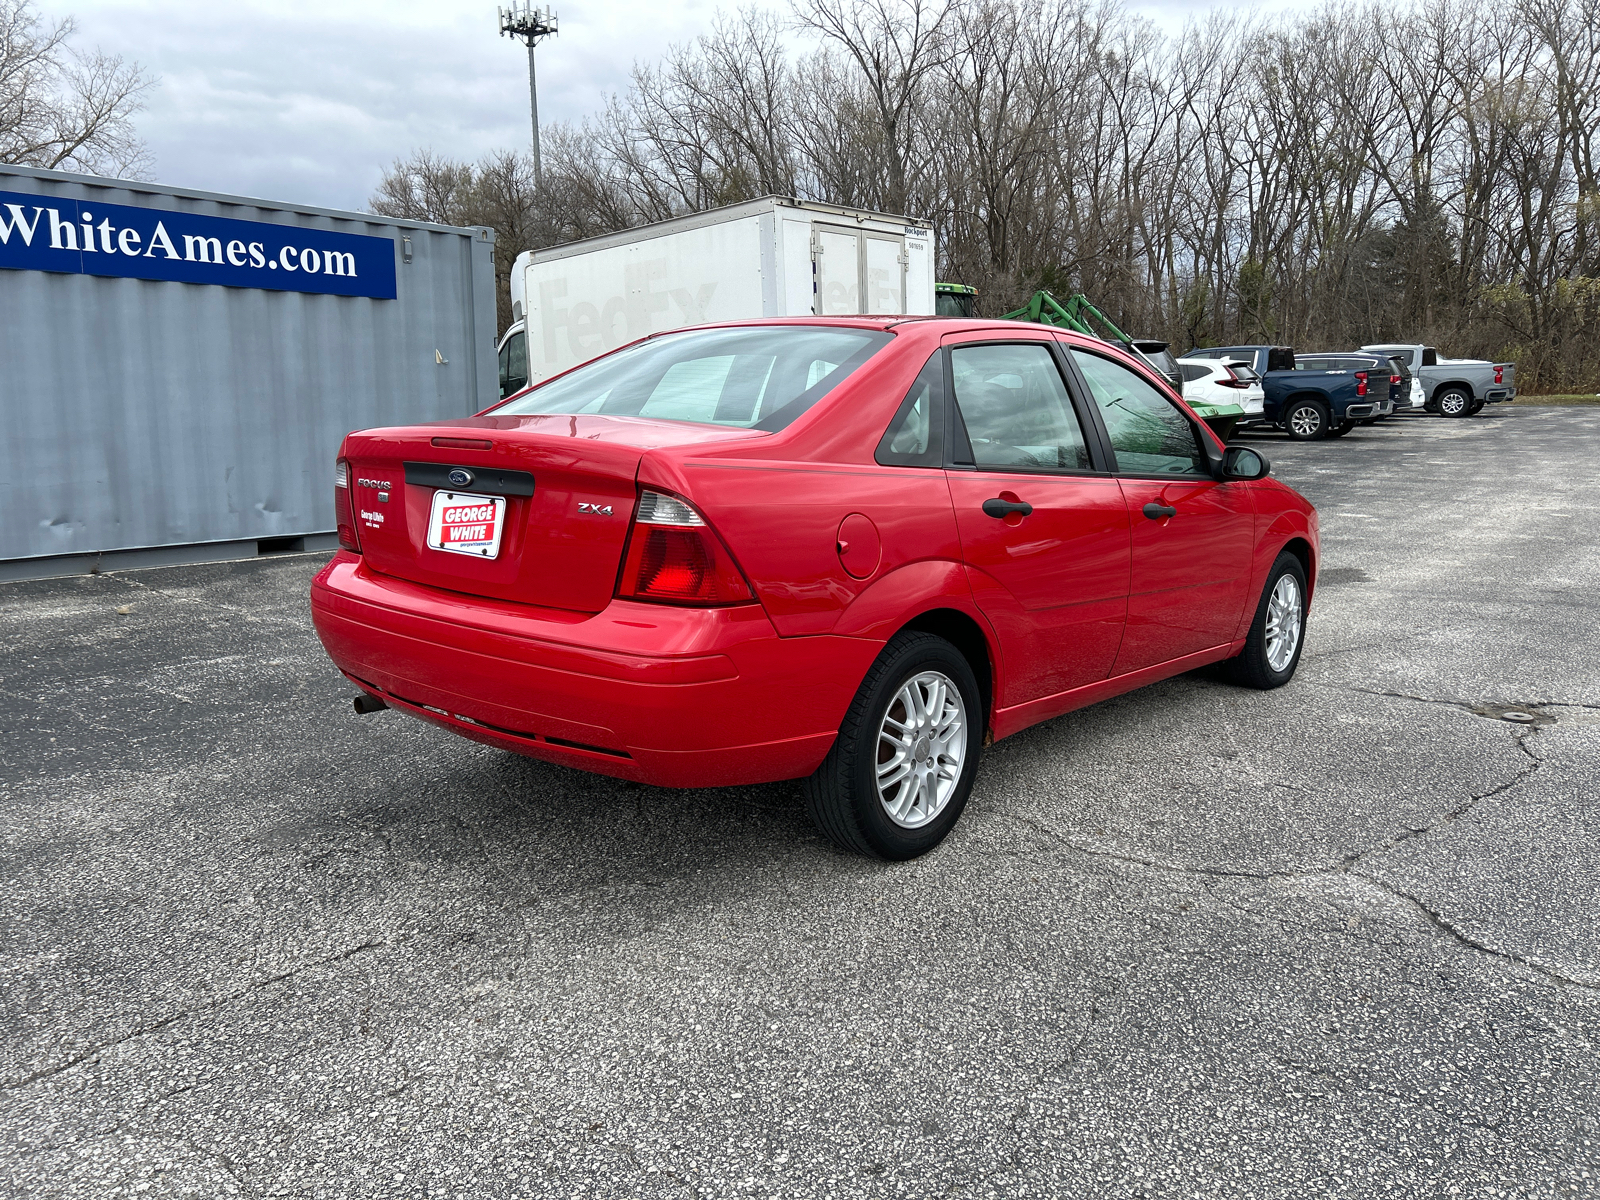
(138, 413)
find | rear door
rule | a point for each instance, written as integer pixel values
(858, 272)
(1192, 535)
(836, 255)
(885, 268)
(1044, 529)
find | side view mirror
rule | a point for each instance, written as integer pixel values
(1241, 462)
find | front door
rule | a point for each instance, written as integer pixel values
(1043, 533)
(1193, 535)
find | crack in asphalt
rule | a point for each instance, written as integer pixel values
(237, 610)
(211, 1005)
(1348, 1087)
(1346, 867)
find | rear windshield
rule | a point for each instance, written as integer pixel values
(1161, 358)
(760, 377)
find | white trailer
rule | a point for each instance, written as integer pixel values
(772, 257)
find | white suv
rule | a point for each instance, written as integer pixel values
(1223, 381)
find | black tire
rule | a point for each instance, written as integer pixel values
(1454, 402)
(842, 795)
(1306, 420)
(1476, 408)
(1342, 428)
(1369, 420)
(1252, 668)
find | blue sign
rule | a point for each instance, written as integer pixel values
(52, 233)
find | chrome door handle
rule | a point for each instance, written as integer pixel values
(1157, 511)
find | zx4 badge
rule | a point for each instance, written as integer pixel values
(595, 510)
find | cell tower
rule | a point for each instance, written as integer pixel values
(531, 25)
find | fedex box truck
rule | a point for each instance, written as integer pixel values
(772, 257)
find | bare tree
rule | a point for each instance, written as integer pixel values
(897, 45)
(1412, 169)
(497, 192)
(63, 109)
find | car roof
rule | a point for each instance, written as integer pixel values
(933, 324)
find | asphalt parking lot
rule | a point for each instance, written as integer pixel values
(1335, 940)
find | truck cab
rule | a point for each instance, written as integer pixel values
(513, 355)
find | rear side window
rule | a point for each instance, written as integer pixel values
(915, 438)
(757, 377)
(1430, 357)
(1315, 364)
(1015, 409)
(1148, 433)
(1194, 372)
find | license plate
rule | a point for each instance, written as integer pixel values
(463, 523)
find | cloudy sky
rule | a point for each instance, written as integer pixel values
(308, 101)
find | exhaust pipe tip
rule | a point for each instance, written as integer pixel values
(366, 703)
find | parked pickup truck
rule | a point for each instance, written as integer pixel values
(1455, 387)
(1303, 396)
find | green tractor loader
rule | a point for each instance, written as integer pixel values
(1078, 314)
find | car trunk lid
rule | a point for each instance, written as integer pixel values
(533, 509)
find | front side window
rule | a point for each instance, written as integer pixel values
(1015, 408)
(1148, 433)
(757, 377)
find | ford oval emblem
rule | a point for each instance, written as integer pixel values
(460, 477)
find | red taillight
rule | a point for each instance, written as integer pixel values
(674, 557)
(1232, 380)
(343, 510)
(1499, 374)
(1361, 383)
(1394, 381)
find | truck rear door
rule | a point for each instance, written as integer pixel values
(857, 271)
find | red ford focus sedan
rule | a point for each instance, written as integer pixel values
(851, 551)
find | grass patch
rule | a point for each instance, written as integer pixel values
(1537, 401)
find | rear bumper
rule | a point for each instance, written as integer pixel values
(1499, 395)
(1360, 412)
(678, 697)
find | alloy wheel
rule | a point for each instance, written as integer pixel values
(1305, 421)
(922, 744)
(1283, 622)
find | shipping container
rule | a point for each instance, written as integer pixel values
(177, 368)
(772, 257)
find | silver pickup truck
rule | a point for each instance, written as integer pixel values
(1455, 387)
